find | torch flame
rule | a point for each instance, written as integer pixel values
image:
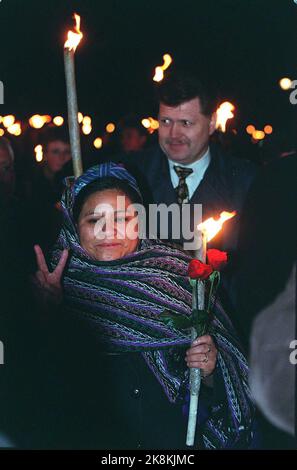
(38, 153)
(211, 227)
(15, 129)
(167, 61)
(159, 71)
(159, 74)
(258, 135)
(73, 38)
(146, 123)
(150, 124)
(224, 112)
(37, 121)
(154, 124)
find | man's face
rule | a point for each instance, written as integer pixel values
(56, 155)
(184, 131)
(132, 140)
(7, 175)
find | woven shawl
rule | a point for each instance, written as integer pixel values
(122, 300)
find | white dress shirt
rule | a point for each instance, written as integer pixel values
(194, 179)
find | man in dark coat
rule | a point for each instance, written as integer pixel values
(189, 172)
(185, 168)
(223, 188)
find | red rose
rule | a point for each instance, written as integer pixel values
(217, 259)
(199, 270)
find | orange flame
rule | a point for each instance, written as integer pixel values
(250, 129)
(150, 124)
(224, 112)
(110, 127)
(8, 120)
(38, 153)
(154, 123)
(15, 129)
(37, 121)
(268, 129)
(73, 38)
(58, 121)
(146, 123)
(159, 71)
(98, 143)
(258, 135)
(211, 227)
(47, 118)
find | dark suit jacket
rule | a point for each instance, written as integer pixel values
(223, 187)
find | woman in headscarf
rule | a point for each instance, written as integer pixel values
(117, 286)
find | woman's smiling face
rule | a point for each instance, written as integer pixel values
(108, 225)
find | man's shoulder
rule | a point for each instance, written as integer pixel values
(243, 165)
(233, 166)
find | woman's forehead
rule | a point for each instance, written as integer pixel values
(108, 199)
(107, 194)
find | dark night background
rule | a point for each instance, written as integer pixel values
(247, 46)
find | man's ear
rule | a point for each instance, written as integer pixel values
(212, 123)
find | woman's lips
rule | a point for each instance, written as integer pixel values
(107, 245)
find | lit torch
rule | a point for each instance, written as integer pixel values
(207, 230)
(38, 153)
(159, 71)
(150, 124)
(224, 112)
(211, 227)
(69, 50)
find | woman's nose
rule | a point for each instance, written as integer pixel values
(109, 228)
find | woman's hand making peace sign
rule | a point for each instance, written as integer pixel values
(48, 283)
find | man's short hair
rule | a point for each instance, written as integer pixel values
(52, 134)
(132, 121)
(6, 145)
(179, 86)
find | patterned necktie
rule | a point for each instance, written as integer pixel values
(182, 190)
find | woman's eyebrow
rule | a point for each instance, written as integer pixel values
(91, 213)
(94, 212)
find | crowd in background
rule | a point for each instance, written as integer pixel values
(30, 211)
